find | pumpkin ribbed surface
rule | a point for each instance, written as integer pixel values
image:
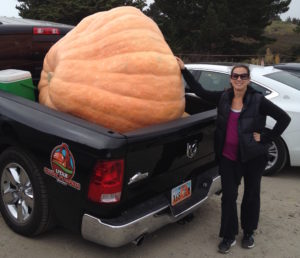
(114, 69)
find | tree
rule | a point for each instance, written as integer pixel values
(296, 52)
(213, 40)
(69, 11)
(296, 21)
(221, 26)
(175, 21)
(288, 20)
(185, 24)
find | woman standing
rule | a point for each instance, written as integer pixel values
(241, 147)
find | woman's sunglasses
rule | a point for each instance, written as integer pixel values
(243, 76)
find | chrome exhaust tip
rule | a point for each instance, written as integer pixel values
(139, 240)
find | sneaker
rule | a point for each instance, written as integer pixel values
(248, 241)
(225, 245)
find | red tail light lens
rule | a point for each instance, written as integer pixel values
(107, 181)
(45, 31)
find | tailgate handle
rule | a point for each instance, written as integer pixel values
(137, 177)
(192, 147)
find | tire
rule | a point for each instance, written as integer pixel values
(277, 157)
(24, 201)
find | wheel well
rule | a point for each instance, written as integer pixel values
(8, 137)
(287, 151)
(40, 215)
(3, 147)
(286, 148)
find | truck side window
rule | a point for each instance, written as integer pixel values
(196, 74)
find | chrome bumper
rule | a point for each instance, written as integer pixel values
(115, 234)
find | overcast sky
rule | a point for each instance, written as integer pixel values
(7, 8)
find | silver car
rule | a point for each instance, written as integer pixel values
(282, 88)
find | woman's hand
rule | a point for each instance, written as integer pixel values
(180, 63)
(256, 136)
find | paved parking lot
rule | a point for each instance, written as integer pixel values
(278, 234)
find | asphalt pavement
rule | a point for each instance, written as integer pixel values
(278, 234)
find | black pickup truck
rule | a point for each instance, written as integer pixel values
(112, 188)
(25, 42)
(56, 169)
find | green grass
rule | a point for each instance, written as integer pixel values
(278, 28)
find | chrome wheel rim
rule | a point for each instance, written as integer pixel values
(272, 156)
(17, 193)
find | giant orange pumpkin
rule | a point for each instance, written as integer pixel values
(114, 69)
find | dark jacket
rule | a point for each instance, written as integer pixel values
(252, 119)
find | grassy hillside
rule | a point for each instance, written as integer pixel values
(285, 37)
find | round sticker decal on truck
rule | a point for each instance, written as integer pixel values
(63, 166)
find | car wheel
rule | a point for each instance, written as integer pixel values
(277, 157)
(23, 196)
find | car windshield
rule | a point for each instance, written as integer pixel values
(286, 78)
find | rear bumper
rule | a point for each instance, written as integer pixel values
(144, 218)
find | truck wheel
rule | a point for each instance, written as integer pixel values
(23, 199)
(277, 157)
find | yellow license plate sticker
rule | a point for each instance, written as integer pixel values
(181, 192)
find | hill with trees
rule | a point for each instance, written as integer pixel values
(286, 40)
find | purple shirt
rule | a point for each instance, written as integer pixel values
(231, 145)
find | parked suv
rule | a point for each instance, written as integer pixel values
(24, 43)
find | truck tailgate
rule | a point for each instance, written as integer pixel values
(162, 157)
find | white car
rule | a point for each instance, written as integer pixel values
(281, 87)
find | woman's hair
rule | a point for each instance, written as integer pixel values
(240, 66)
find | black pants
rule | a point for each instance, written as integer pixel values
(231, 173)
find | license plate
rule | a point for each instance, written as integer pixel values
(181, 192)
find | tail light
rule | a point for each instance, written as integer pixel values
(45, 31)
(106, 182)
